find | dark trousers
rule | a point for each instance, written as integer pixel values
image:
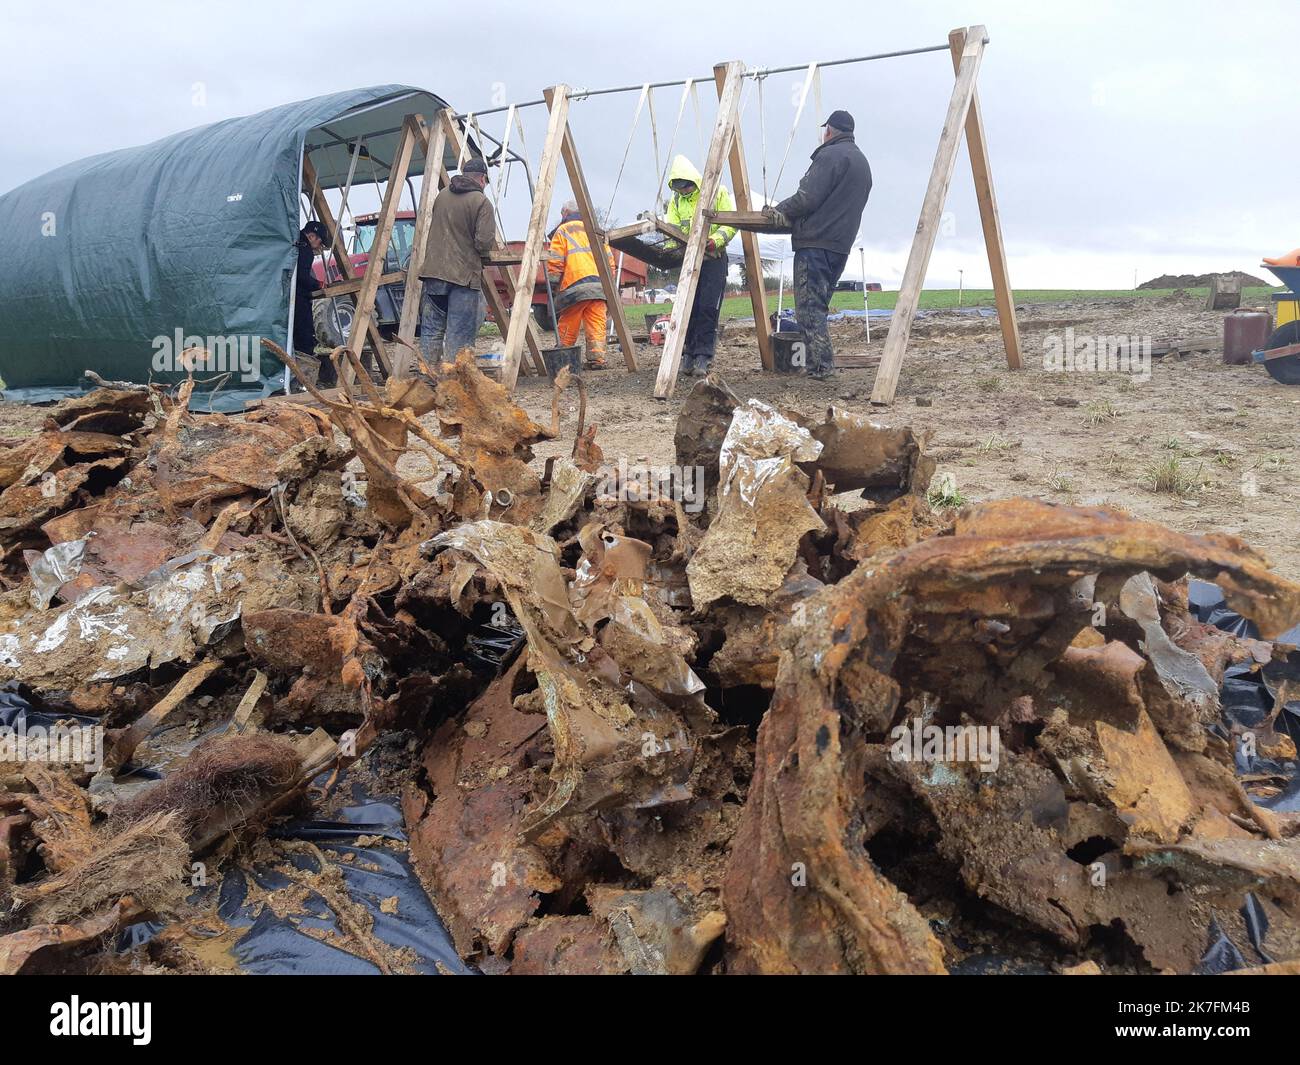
(304, 330)
(450, 316)
(702, 329)
(816, 272)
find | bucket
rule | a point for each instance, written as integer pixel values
(1244, 332)
(783, 348)
(558, 358)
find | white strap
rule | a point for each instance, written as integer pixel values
(660, 198)
(636, 121)
(505, 151)
(794, 128)
(464, 141)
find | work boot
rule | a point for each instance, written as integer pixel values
(822, 373)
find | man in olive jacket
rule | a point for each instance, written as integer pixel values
(825, 214)
(461, 232)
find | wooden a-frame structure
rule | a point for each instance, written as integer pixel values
(967, 50)
(432, 142)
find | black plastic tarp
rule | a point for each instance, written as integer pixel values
(114, 257)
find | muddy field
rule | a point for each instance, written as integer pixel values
(1220, 431)
(1221, 439)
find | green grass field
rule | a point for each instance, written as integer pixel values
(937, 299)
(944, 299)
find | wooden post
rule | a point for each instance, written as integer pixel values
(927, 228)
(383, 234)
(724, 128)
(508, 279)
(979, 164)
(595, 233)
(749, 241)
(341, 260)
(532, 255)
(432, 143)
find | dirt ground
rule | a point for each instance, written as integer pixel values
(1227, 431)
(1227, 434)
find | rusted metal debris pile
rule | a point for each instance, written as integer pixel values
(644, 736)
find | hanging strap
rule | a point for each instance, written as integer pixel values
(660, 198)
(636, 121)
(762, 134)
(492, 196)
(505, 150)
(464, 141)
(798, 114)
(654, 126)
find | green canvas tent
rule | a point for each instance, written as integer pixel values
(118, 255)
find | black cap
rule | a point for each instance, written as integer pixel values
(319, 229)
(474, 166)
(841, 120)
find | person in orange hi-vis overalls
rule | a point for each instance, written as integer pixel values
(580, 301)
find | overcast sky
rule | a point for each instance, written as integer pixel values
(1149, 138)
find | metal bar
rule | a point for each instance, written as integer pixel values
(583, 94)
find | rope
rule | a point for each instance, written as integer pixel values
(660, 199)
(492, 196)
(798, 114)
(762, 133)
(654, 127)
(464, 141)
(636, 121)
(505, 151)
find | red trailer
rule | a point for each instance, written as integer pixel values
(388, 302)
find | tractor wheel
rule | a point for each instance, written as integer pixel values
(1287, 368)
(333, 320)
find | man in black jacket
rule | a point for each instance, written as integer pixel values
(825, 214)
(312, 240)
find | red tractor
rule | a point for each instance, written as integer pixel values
(333, 317)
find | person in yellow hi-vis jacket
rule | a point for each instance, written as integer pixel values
(580, 301)
(702, 326)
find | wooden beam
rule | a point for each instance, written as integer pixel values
(383, 234)
(746, 221)
(508, 279)
(346, 288)
(595, 235)
(724, 127)
(927, 227)
(978, 149)
(432, 144)
(644, 226)
(341, 260)
(748, 239)
(520, 312)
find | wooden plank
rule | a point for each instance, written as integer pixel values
(642, 226)
(383, 234)
(748, 239)
(746, 221)
(977, 147)
(521, 311)
(724, 128)
(433, 142)
(346, 288)
(507, 278)
(502, 257)
(927, 227)
(341, 261)
(595, 235)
